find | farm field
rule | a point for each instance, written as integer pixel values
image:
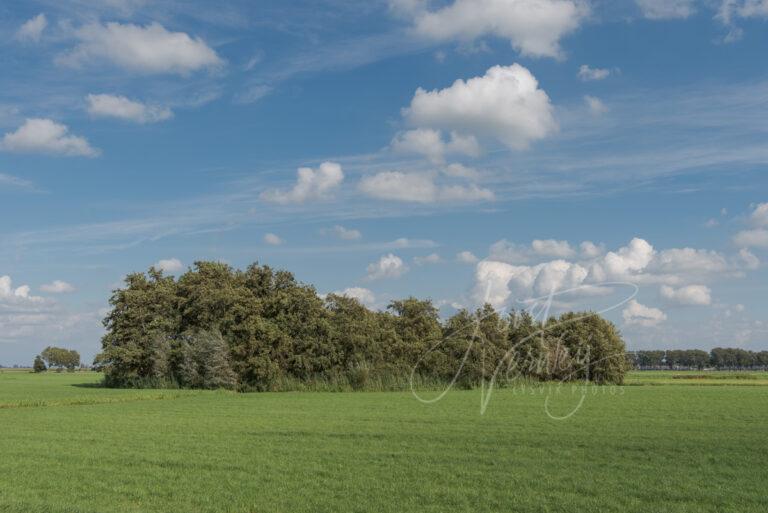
(68, 446)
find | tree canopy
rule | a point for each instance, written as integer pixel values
(260, 329)
(61, 358)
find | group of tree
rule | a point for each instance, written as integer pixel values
(260, 329)
(718, 358)
(58, 358)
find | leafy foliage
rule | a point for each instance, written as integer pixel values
(261, 329)
(39, 364)
(60, 358)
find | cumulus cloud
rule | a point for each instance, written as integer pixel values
(342, 233)
(587, 73)
(759, 215)
(495, 281)
(641, 315)
(591, 250)
(595, 105)
(757, 238)
(25, 317)
(666, 9)
(32, 30)
(388, 266)
(553, 248)
(466, 257)
(506, 103)
(512, 269)
(107, 105)
(731, 10)
(18, 294)
(432, 258)
(312, 184)
(623, 263)
(272, 239)
(144, 49)
(747, 260)
(365, 296)
(169, 266)
(457, 170)
(419, 188)
(430, 143)
(38, 135)
(533, 27)
(688, 295)
(57, 287)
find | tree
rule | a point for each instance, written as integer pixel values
(61, 358)
(39, 364)
(201, 360)
(258, 329)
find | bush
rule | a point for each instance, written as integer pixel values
(39, 364)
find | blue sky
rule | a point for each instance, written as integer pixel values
(463, 150)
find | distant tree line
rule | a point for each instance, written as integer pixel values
(261, 329)
(718, 358)
(58, 358)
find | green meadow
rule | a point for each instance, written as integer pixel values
(689, 445)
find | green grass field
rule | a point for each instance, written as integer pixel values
(69, 446)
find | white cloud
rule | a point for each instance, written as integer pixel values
(688, 295)
(623, 263)
(57, 287)
(107, 105)
(38, 135)
(690, 260)
(430, 143)
(759, 216)
(496, 281)
(365, 296)
(18, 294)
(432, 258)
(148, 49)
(595, 105)
(506, 103)
(552, 248)
(747, 259)
(757, 238)
(169, 266)
(342, 233)
(587, 74)
(711, 223)
(312, 184)
(666, 9)
(388, 266)
(591, 250)
(533, 27)
(253, 94)
(512, 253)
(466, 257)
(272, 239)
(32, 30)
(419, 188)
(15, 182)
(732, 9)
(641, 315)
(457, 170)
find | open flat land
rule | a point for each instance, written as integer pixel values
(684, 445)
